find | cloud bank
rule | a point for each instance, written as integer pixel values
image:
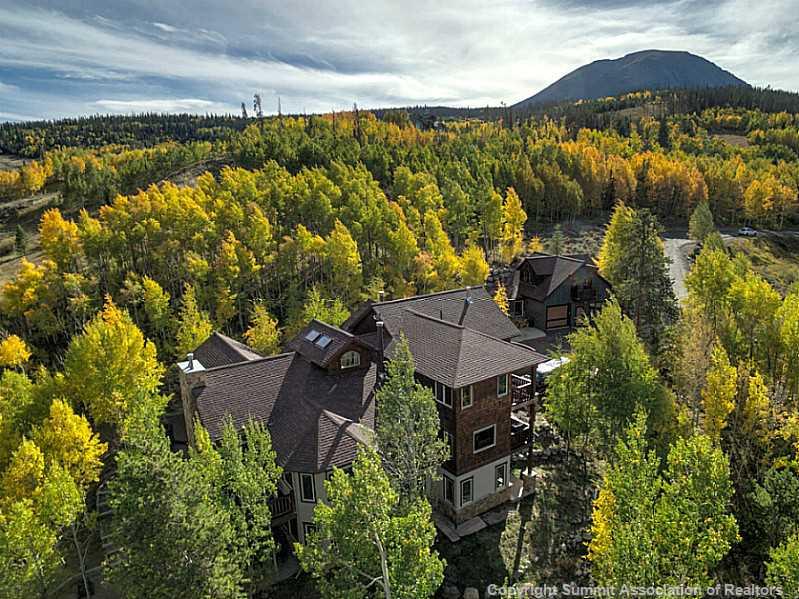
(86, 56)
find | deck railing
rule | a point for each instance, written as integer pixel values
(281, 505)
(521, 391)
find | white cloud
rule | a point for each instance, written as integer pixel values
(162, 105)
(165, 27)
(322, 56)
(7, 88)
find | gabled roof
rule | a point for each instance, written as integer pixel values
(482, 314)
(320, 342)
(220, 350)
(313, 417)
(456, 355)
(555, 270)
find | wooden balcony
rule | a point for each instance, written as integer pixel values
(521, 391)
(519, 433)
(281, 505)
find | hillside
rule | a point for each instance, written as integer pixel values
(649, 69)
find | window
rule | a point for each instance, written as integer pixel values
(467, 398)
(350, 359)
(312, 335)
(443, 394)
(467, 491)
(500, 476)
(307, 529)
(484, 438)
(323, 341)
(518, 308)
(502, 385)
(307, 488)
(449, 489)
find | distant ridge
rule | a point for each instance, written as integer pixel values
(648, 69)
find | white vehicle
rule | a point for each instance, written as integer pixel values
(747, 232)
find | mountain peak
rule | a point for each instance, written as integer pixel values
(645, 69)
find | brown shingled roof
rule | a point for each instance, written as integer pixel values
(456, 355)
(320, 342)
(482, 315)
(311, 415)
(220, 350)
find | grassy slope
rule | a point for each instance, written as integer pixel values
(774, 255)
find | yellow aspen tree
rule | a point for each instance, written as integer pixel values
(718, 395)
(501, 299)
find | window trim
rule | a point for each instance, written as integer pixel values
(302, 488)
(444, 480)
(444, 389)
(477, 432)
(506, 378)
(354, 364)
(504, 466)
(307, 527)
(470, 388)
(469, 480)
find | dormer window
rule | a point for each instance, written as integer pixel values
(323, 341)
(312, 335)
(350, 359)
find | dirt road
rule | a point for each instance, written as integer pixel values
(679, 265)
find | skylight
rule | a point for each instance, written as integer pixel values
(323, 341)
(312, 335)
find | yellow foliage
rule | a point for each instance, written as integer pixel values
(13, 351)
(66, 439)
(718, 394)
(501, 299)
(25, 472)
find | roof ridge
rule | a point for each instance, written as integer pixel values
(250, 362)
(233, 343)
(330, 326)
(434, 318)
(423, 295)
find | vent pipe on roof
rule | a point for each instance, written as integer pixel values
(190, 358)
(381, 295)
(467, 301)
(380, 353)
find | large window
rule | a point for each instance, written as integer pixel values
(467, 398)
(484, 438)
(350, 359)
(467, 491)
(449, 489)
(443, 394)
(307, 488)
(500, 476)
(502, 385)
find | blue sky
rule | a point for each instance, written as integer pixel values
(91, 56)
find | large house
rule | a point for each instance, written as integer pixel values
(317, 399)
(553, 293)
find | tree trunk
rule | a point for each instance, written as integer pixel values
(81, 559)
(384, 567)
